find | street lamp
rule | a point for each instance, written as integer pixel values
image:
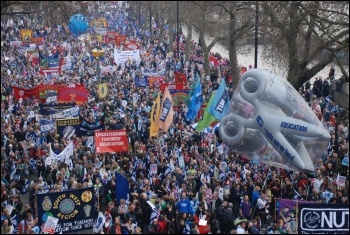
(96, 53)
(256, 34)
(177, 30)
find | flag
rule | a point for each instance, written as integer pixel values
(207, 117)
(297, 196)
(220, 104)
(166, 112)
(154, 117)
(196, 101)
(99, 222)
(121, 187)
(190, 93)
(102, 90)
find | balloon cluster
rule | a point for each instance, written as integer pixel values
(78, 24)
(269, 122)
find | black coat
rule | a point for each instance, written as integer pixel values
(114, 213)
(146, 210)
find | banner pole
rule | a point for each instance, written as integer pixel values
(275, 209)
(296, 216)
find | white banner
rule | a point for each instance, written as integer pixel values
(67, 152)
(99, 222)
(120, 57)
(68, 113)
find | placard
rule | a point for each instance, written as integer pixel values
(153, 169)
(50, 225)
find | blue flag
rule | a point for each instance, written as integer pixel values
(195, 102)
(121, 187)
(220, 104)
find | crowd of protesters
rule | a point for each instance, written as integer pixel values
(242, 200)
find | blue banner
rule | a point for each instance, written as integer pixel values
(46, 125)
(49, 109)
(121, 187)
(75, 209)
(68, 127)
(141, 81)
(323, 218)
(49, 61)
(88, 128)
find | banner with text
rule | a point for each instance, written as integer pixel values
(68, 127)
(120, 57)
(111, 141)
(68, 113)
(75, 209)
(88, 128)
(323, 219)
(49, 109)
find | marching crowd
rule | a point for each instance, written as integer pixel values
(191, 198)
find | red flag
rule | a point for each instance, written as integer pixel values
(180, 78)
(24, 93)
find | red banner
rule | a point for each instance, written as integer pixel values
(154, 80)
(176, 86)
(132, 45)
(119, 39)
(78, 95)
(33, 57)
(24, 93)
(110, 37)
(111, 141)
(180, 78)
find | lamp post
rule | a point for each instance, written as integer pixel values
(96, 53)
(177, 30)
(256, 34)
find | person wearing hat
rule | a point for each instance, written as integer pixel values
(241, 228)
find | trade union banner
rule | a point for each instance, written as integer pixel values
(88, 128)
(68, 127)
(323, 219)
(49, 109)
(111, 141)
(75, 209)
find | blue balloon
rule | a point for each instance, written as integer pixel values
(78, 24)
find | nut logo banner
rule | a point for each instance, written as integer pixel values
(323, 218)
(111, 141)
(75, 209)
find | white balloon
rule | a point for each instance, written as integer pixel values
(271, 123)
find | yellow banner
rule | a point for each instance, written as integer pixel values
(102, 90)
(26, 35)
(155, 112)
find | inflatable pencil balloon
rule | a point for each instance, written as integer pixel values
(270, 122)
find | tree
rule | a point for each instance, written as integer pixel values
(305, 36)
(55, 11)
